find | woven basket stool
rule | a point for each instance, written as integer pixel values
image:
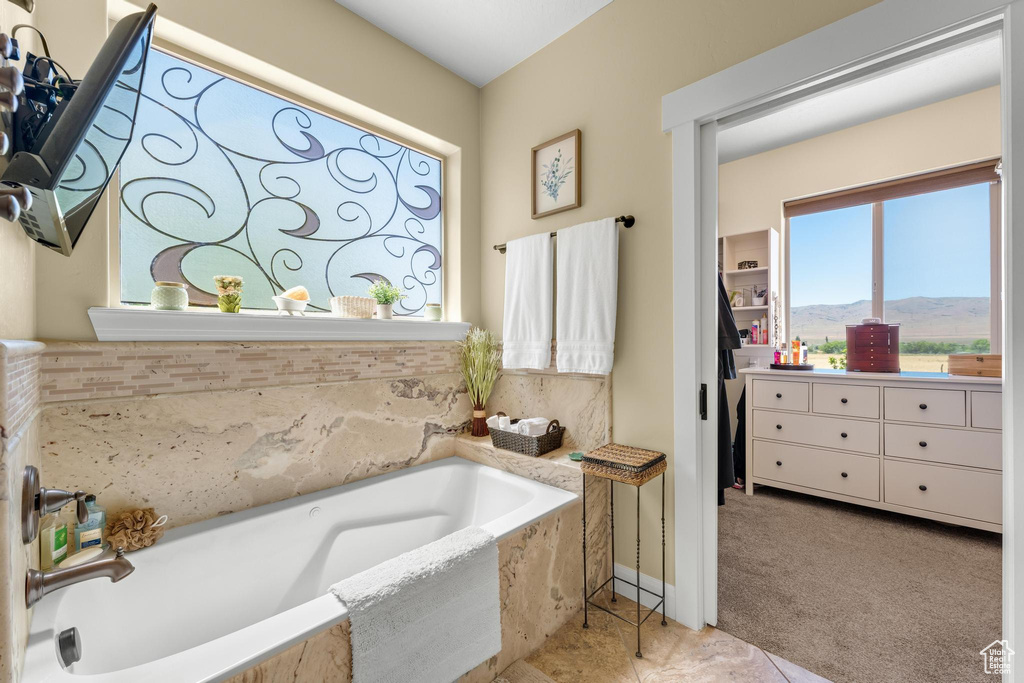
(636, 467)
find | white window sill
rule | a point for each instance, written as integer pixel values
(144, 324)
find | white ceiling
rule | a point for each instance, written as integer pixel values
(955, 72)
(477, 39)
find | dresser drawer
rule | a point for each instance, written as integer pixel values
(850, 475)
(814, 430)
(952, 446)
(928, 406)
(950, 491)
(987, 409)
(781, 395)
(850, 400)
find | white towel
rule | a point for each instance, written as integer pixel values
(588, 278)
(500, 422)
(526, 333)
(533, 426)
(428, 615)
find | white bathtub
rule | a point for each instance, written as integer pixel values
(214, 598)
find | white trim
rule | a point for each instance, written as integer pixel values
(888, 29)
(144, 324)
(649, 583)
(850, 48)
(687, 464)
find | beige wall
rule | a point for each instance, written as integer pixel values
(17, 251)
(607, 77)
(326, 53)
(955, 131)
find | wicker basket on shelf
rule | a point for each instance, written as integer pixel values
(529, 445)
(352, 306)
(626, 464)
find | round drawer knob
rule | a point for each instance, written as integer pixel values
(843, 435)
(779, 463)
(845, 475)
(923, 406)
(778, 426)
(778, 395)
(923, 487)
(922, 444)
(843, 400)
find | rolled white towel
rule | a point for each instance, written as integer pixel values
(502, 423)
(533, 426)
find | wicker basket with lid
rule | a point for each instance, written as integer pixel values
(626, 464)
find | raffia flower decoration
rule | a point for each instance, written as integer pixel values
(135, 529)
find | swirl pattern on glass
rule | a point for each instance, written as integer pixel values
(221, 177)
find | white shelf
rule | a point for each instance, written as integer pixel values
(145, 324)
(750, 308)
(746, 271)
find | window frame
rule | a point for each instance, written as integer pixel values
(876, 194)
(114, 204)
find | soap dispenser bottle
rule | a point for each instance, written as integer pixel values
(94, 531)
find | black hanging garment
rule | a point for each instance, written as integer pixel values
(728, 339)
(739, 449)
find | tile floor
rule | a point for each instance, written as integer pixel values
(606, 652)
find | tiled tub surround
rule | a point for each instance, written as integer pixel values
(19, 446)
(203, 454)
(234, 615)
(198, 430)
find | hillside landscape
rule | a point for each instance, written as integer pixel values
(950, 319)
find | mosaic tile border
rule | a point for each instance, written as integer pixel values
(73, 371)
(87, 370)
(19, 383)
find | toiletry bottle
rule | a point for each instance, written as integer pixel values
(764, 329)
(53, 541)
(94, 531)
(754, 336)
(778, 356)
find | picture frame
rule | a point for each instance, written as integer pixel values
(556, 175)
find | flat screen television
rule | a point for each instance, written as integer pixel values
(81, 145)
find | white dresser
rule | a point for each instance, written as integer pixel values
(922, 444)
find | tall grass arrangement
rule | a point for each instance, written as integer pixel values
(479, 360)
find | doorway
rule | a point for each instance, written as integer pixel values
(881, 36)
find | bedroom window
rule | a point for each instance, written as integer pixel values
(920, 251)
(222, 178)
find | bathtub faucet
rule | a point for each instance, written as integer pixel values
(112, 565)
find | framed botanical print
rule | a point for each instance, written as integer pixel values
(556, 175)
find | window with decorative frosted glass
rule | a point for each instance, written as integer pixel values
(222, 178)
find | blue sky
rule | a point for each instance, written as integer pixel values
(935, 245)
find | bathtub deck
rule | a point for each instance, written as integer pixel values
(554, 468)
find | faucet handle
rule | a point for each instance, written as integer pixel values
(81, 511)
(38, 501)
(52, 500)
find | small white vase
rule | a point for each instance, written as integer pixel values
(384, 311)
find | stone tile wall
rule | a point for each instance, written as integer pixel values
(19, 446)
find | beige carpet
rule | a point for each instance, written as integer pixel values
(855, 594)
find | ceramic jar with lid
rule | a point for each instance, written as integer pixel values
(169, 296)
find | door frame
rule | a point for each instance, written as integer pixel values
(876, 38)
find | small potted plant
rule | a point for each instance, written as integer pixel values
(479, 360)
(229, 293)
(386, 294)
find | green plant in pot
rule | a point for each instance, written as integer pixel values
(479, 360)
(386, 295)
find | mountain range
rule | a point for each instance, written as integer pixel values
(948, 318)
